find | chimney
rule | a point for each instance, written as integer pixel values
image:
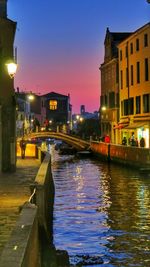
(3, 9)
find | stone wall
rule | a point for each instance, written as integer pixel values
(44, 196)
(128, 155)
(30, 150)
(31, 239)
(22, 250)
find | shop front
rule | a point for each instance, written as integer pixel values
(137, 131)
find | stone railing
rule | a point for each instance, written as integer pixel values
(23, 246)
(32, 235)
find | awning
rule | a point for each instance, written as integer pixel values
(135, 125)
(120, 126)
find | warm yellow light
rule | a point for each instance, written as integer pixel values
(53, 104)
(103, 108)
(31, 97)
(11, 68)
(81, 119)
(77, 117)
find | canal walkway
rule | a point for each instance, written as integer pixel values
(14, 192)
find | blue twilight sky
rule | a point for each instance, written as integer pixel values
(60, 43)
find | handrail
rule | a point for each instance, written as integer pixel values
(31, 198)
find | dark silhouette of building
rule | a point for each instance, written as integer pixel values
(82, 109)
(7, 94)
(58, 111)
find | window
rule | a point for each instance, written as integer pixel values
(138, 72)
(131, 106)
(117, 99)
(122, 106)
(146, 103)
(131, 48)
(146, 69)
(117, 73)
(105, 100)
(131, 74)
(126, 51)
(145, 40)
(121, 79)
(128, 106)
(137, 44)
(125, 107)
(127, 78)
(120, 55)
(52, 104)
(138, 104)
(111, 100)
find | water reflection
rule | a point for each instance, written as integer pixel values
(102, 210)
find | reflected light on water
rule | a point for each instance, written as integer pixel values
(102, 210)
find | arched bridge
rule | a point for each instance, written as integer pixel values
(78, 143)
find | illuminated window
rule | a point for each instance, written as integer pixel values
(52, 104)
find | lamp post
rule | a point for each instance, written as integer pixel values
(30, 98)
(103, 110)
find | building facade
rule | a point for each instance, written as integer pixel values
(31, 112)
(7, 94)
(109, 101)
(134, 85)
(58, 111)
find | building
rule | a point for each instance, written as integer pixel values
(82, 109)
(38, 109)
(58, 111)
(134, 84)
(22, 116)
(7, 94)
(31, 112)
(109, 100)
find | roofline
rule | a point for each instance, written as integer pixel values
(104, 64)
(134, 33)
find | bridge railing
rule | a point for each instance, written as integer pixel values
(72, 140)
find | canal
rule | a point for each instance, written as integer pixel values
(101, 210)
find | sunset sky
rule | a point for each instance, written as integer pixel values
(60, 43)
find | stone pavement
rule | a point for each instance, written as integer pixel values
(14, 191)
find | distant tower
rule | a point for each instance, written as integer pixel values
(3, 8)
(82, 109)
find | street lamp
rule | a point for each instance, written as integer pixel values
(31, 97)
(103, 108)
(11, 68)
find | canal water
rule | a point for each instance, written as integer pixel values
(101, 210)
